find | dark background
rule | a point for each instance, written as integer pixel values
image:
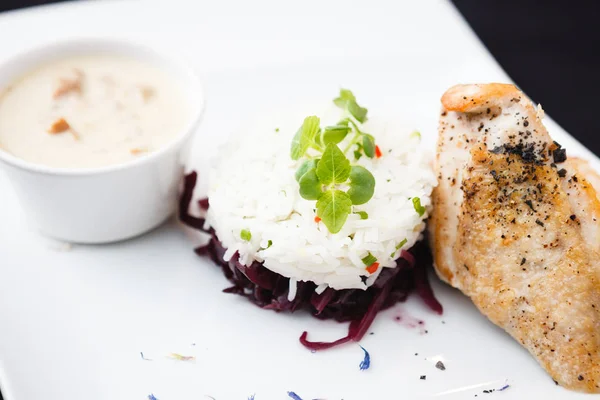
(550, 48)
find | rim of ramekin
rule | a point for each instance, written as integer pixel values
(91, 45)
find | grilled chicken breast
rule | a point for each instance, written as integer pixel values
(515, 227)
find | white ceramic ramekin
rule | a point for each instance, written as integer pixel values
(110, 203)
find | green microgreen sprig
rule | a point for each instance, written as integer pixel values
(305, 137)
(328, 176)
(347, 101)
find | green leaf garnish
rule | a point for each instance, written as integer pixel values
(306, 166)
(310, 187)
(335, 134)
(333, 167)
(358, 112)
(322, 178)
(362, 185)
(418, 207)
(368, 146)
(347, 101)
(305, 137)
(345, 96)
(245, 235)
(333, 208)
(369, 259)
(363, 214)
(416, 134)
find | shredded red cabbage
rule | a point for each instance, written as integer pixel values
(269, 290)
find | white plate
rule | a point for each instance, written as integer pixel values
(74, 321)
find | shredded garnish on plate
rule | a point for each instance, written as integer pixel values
(294, 396)
(366, 362)
(180, 357)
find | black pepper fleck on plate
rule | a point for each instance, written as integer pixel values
(440, 365)
(423, 377)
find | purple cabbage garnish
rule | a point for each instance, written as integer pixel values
(269, 290)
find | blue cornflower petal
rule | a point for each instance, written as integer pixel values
(294, 396)
(366, 362)
(504, 388)
(152, 397)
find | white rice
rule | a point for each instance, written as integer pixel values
(252, 187)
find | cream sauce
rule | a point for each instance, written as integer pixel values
(91, 111)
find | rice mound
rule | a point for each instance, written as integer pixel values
(252, 187)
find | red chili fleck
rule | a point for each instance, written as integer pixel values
(377, 151)
(372, 268)
(317, 219)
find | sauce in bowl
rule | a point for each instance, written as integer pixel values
(89, 111)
